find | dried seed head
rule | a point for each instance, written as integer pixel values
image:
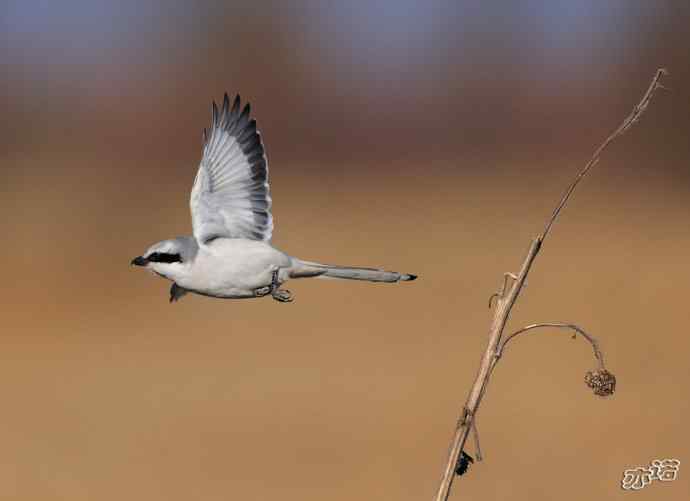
(602, 382)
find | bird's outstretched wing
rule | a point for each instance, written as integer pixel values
(230, 197)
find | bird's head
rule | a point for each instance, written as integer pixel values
(167, 258)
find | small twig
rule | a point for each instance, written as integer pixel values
(602, 382)
(558, 325)
(477, 447)
(501, 292)
(492, 297)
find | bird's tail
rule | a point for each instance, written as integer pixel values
(302, 269)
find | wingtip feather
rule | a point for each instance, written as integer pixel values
(215, 114)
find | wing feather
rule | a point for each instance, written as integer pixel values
(230, 197)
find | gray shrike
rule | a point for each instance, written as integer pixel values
(230, 255)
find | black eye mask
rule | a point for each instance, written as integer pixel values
(163, 257)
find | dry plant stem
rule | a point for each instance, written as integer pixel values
(558, 325)
(629, 121)
(508, 296)
(502, 312)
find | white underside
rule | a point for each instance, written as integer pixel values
(232, 268)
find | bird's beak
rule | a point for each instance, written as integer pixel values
(139, 261)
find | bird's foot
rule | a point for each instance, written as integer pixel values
(176, 292)
(263, 291)
(282, 295)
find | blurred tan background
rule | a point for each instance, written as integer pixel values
(426, 137)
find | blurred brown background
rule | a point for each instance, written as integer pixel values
(426, 137)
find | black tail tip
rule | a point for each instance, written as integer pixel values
(409, 277)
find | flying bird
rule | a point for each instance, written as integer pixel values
(230, 253)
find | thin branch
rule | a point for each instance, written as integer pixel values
(602, 383)
(634, 116)
(558, 325)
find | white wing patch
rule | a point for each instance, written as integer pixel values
(230, 197)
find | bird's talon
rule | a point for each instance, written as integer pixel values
(282, 295)
(263, 291)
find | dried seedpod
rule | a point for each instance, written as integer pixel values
(602, 382)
